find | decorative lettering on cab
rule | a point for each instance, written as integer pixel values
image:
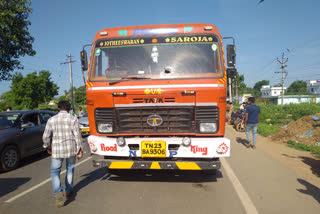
(153, 91)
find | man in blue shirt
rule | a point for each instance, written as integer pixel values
(252, 117)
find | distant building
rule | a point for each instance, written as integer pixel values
(295, 99)
(267, 91)
(313, 86)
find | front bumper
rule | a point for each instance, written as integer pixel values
(201, 147)
(158, 165)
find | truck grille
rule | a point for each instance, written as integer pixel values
(175, 119)
(104, 115)
(208, 113)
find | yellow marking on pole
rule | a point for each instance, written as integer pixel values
(155, 165)
(188, 166)
(121, 165)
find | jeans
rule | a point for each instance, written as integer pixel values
(254, 128)
(56, 164)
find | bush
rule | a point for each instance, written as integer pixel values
(280, 115)
(301, 110)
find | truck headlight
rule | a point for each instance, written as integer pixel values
(208, 127)
(105, 127)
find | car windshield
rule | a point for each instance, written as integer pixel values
(7, 120)
(195, 56)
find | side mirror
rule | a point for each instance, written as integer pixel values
(231, 55)
(84, 60)
(231, 72)
(26, 125)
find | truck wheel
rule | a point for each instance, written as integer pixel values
(10, 158)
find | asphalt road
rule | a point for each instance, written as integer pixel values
(249, 181)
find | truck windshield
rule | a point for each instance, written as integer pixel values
(191, 56)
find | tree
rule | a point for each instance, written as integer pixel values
(28, 92)
(238, 85)
(298, 88)
(80, 96)
(252, 91)
(15, 40)
(6, 101)
(259, 84)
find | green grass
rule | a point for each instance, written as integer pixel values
(280, 115)
(315, 150)
(266, 129)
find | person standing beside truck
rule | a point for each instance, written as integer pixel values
(62, 139)
(228, 110)
(252, 117)
(80, 113)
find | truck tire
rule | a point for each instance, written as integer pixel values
(10, 158)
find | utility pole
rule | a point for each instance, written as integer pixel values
(283, 65)
(230, 94)
(71, 80)
(237, 91)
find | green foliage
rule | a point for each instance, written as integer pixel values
(297, 88)
(239, 81)
(7, 101)
(15, 37)
(80, 96)
(266, 129)
(301, 146)
(302, 109)
(280, 115)
(44, 106)
(252, 91)
(30, 91)
(259, 84)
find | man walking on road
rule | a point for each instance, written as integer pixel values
(62, 139)
(252, 117)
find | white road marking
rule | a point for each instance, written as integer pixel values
(243, 195)
(42, 183)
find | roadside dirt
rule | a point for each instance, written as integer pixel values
(304, 130)
(302, 163)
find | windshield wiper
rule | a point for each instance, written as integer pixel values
(128, 78)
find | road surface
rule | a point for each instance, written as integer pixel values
(250, 181)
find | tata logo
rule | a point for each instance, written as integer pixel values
(153, 100)
(154, 120)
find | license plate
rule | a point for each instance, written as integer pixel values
(85, 130)
(150, 149)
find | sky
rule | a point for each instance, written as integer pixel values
(262, 33)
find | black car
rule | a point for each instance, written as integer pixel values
(21, 135)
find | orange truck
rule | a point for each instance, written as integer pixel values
(156, 97)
